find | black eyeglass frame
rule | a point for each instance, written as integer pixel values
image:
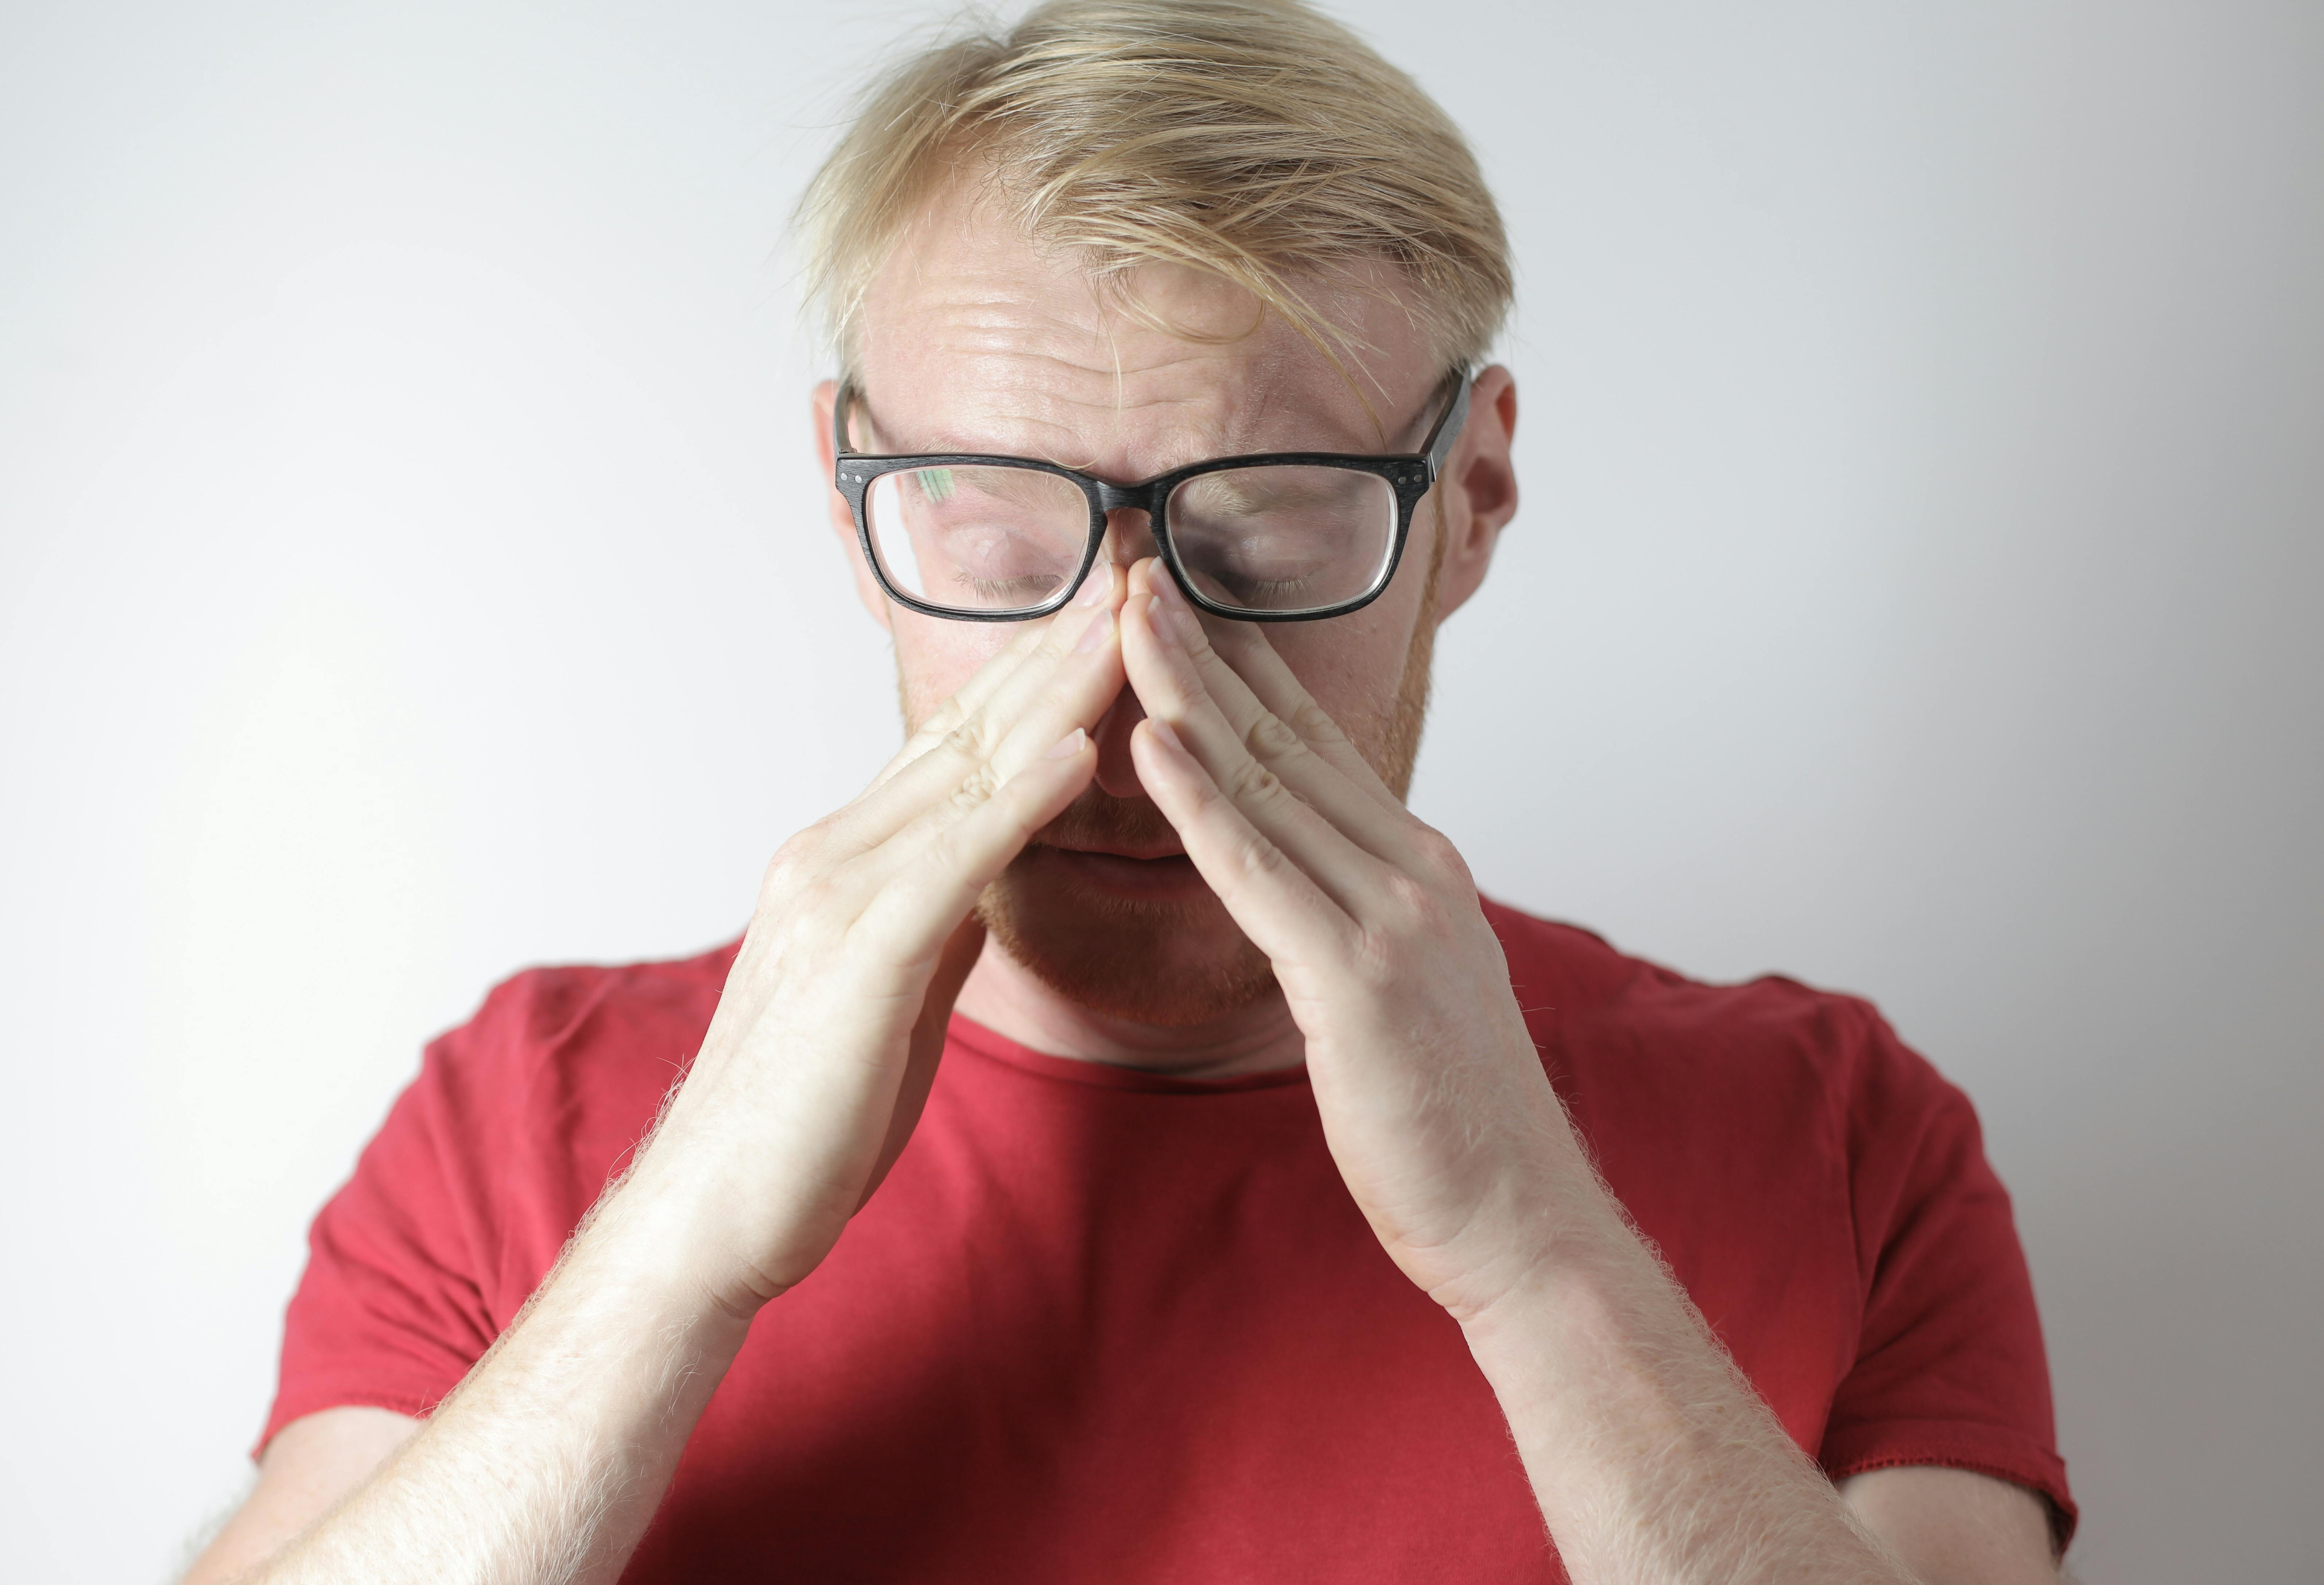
(1412, 474)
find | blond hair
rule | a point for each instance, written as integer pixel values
(1256, 140)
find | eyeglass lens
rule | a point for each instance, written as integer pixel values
(1283, 538)
(987, 540)
(994, 539)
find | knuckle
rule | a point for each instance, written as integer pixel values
(1412, 906)
(792, 863)
(1253, 782)
(972, 739)
(771, 884)
(1310, 722)
(975, 788)
(1376, 960)
(1270, 737)
(816, 898)
(929, 735)
(1442, 858)
(1256, 857)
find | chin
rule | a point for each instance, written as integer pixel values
(1143, 940)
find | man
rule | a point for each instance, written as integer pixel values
(1123, 1146)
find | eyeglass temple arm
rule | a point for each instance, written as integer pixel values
(842, 401)
(1441, 440)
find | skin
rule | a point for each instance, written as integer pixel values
(1256, 775)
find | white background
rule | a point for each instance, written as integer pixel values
(411, 568)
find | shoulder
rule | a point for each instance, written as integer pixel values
(557, 1006)
(1633, 1044)
(567, 1014)
(1779, 1144)
(516, 1121)
(560, 1071)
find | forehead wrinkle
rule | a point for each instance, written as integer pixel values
(977, 342)
(1178, 404)
(1171, 402)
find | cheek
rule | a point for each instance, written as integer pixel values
(1352, 665)
(934, 656)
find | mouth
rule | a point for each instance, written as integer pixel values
(1160, 874)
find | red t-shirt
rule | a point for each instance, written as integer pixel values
(1102, 1324)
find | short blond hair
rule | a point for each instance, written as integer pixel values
(1256, 140)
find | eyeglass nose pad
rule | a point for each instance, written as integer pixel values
(1128, 537)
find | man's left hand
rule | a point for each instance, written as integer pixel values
(1651, 1458)
(1432, 1096)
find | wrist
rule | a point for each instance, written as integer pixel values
(659, 1241)
(1546, 1223)
(1566, 1283)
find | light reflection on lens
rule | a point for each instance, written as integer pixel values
(980, 538)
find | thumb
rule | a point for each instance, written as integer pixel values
(959, 954)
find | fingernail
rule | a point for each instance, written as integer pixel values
(1098, 588)
(1101, 625)
(1158, 617)
(1068, 746)
(1190, 626)
(1170, 603)
(1161, 728)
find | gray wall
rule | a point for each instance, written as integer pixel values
(410, 567)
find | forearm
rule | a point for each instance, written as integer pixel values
(1652, 1458)
(547, 1462)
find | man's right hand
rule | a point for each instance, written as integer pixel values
(550, 1458)
(827, 1035)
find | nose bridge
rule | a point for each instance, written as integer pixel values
(1128, 533)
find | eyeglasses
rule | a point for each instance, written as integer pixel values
(1280, 536)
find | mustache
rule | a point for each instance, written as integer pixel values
(1098, 819)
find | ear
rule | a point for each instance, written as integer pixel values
(1477, 490)
(842, 519)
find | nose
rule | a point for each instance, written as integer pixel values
(1128, 537)
(1129, 540)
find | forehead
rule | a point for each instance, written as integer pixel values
(972, 337)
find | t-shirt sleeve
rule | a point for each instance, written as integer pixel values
(393, 1309)
(1950, 1368)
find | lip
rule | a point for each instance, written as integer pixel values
(1166, 848)
(1166, 876)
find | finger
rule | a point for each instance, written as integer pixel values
(1242, 649)
(972, 694)
(1347, 873)
(1243, 671)
(1299, 800)
(1274, 900)
(995, 674)
(958, 778)
(919, 904)
(1067, 680)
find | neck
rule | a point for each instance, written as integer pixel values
(1005, 997)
